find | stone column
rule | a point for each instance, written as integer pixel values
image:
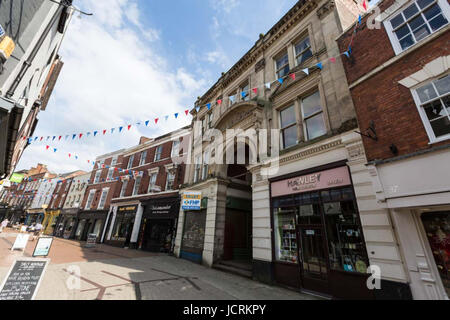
(136, 226)
(179, 237)
(113, 220)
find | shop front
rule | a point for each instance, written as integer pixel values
(35, 216)
(158, 227)
(318, 243)
(3, 211)
(122, 226)
(90, 222)
(67, 220)
(50, 221)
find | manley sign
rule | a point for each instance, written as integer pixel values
(333, 178)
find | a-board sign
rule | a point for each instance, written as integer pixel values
(23, 280)
(21, 242)
(91, 240)
(43, 247)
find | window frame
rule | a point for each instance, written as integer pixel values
(98, 174)
(110, 175)
(90, 199)
(150, 184)
(130, 162)
(137, 185)
(100, 207)
(395, 42)
(276, 58)
(419, 104)
(169, 174)
(304, 119)
(158, 155)
(282, 129)
(296, 55)
(175, 148)
(142, 160)
(123, 188)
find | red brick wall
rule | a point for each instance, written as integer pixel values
(381, 98)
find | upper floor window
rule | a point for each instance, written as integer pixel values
(170, 181)
(143, 158)
(433, 101)
(415, 22)
(303, 51)
(114, 161)
(205, 165)
(110, 174)
(137, 185)
(97, 176)
(282, 65)
(90, 199)
(176, 148)
(198, 168)
(288, 125)
(102, 202)
(124, 188)
(245, 92)
(158, 153)
(130, 162)
(152, 183)
(313, 117)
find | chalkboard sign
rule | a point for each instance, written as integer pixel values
(23, 280)
(91, 241)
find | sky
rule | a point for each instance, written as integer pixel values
(137, 60)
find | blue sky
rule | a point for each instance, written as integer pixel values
(135, 60)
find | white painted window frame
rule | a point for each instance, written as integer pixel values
(100, 206)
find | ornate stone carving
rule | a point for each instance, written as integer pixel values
(324, 10)
(260, 65)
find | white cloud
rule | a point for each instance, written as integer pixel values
(110, 78)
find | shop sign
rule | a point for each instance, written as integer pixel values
(191, 201)
(160, 209)
(43, 247)
(333, 178)
(23, 280)
(17, 178)
(131, 209)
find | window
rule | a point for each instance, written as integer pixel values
(143, 158)
(198, 166)
(210, 119)
(433, 100)
(152, 183)
(110, 174)
(245, 92)
(124, 188)
(90, 199)
(130, 162)
(158, 153)
(170, 181)
(137, 184)
(176, 148)
(204, 125)
(282, 66)
(288, 127)
(417, 21)
(303, 51)
(97, 176)
(114, 161)
(67, 186)
(101, 205)
(313, 118)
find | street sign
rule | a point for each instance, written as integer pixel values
(191, 201)
(21, 242)
(23, 280)
(43, 247)
(91, 241)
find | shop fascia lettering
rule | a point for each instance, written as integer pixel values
(302, 181)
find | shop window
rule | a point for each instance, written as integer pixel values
(143, 158)
(433, 101)
(282, 65)
(130, 162)
(437, 228)
(415, 22)
(123, 227)
(303, 51)
(308, 209)
(313, 117)
(288, 126)
(347, 251)
(285, 235)
(158, 153)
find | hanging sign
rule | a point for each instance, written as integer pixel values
(23, 280)
(191, 201)
(17, 178)
(43, 247)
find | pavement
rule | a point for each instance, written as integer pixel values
(108, 273)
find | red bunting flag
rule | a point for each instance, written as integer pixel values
(333, 60)
(187, 112)
(219, 102)
(292, 75)
(255, 90)
(48, 147)
(70, 155)
(60, 138)
(129, 127)
(156, 121)
(365, 5)
(41, 138)
(89, 161)
(81, 135)
(104, 132)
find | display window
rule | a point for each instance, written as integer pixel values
(437, 228)
(123, 227)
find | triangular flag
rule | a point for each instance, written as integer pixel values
(73, 136)
(70, 155)
(319, 65)
(36, 138)
(81, 135)
(219, 102)
(268, 84)
(138, 123)
(60, 137)
(53, 138)
(88, 134)
(255, 90)
(243, 94)
(67, 137)
(48, 147)
(112, 130)
(129, 127)
(208, 106)
(41, 138)
(365, 5)
(95, 133)
(104, 132)
(48, 138)
(347, 54)
(333, 60)
(156, 120)
(176, 115)
(306, 71)
(147, 122)
(120, 129)
(359, 19)
(280, 80)
(166, 118)
(187, 112)
(76, 157)
(292, 75)
(197, 109)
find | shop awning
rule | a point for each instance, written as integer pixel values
(10, 118)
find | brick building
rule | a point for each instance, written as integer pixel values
(144, 212)
(399, 80)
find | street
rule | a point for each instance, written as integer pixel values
(108, 273)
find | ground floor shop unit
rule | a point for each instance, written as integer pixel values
(66, 223)
(416, 190)
(50, 221)
(16, 216)
(316, 225)
(122, 230)
(34, 217)
(90, 222)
